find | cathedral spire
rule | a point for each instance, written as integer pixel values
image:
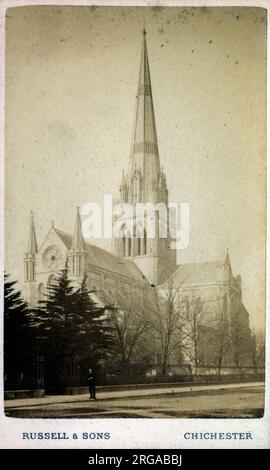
(145, 184)
(145, 155)
(32, 242)
(78, 241)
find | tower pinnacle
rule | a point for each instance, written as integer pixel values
(78, 241)
(77, 254)
(32, 241)
(30, 263)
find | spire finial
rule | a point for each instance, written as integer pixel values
(227, 259)
(31, 219)
(123, 177)
(144, 31)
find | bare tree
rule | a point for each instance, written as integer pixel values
(130, 323)
(166, 322)
(221, 342)
(193, 328)
(240, 334)
(199, 329)
(257, 349)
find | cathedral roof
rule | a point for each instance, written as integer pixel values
(196, 273)
(104, 259)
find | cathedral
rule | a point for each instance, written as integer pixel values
(136, 263)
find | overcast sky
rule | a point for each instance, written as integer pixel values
(71, 82)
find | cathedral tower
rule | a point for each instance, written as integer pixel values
(146, 183)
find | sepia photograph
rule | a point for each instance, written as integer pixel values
(134, 213)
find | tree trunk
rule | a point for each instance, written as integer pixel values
(164, 366)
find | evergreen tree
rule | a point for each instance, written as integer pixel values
(94, 334)
(18, 341)
(55, 315)
(71, 326)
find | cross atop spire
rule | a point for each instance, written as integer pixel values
(32, 242)
(78, 241)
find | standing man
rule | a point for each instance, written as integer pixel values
(91, 384)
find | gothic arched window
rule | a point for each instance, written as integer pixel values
(139, 245)
(52, 280)
(41, 291)
(129, 246)
(139, 239)
(127, 243)
(144, 243)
